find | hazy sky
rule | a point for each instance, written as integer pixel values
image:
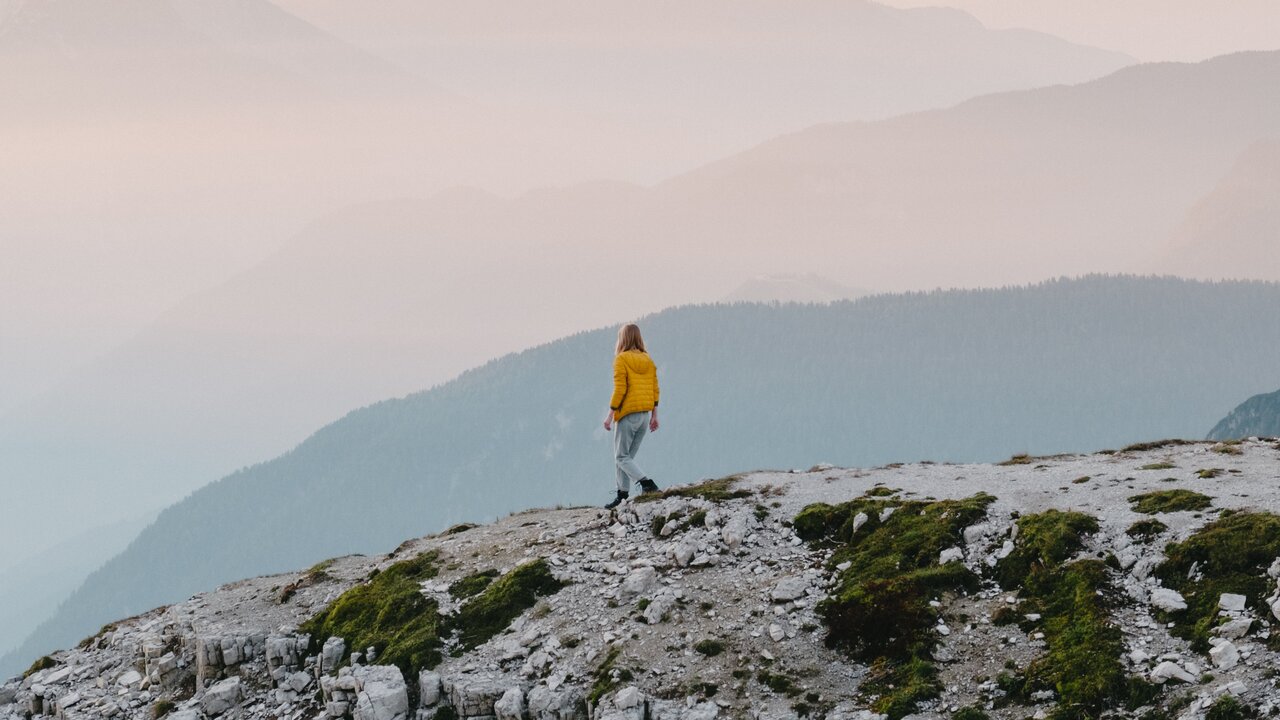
(1150, 30)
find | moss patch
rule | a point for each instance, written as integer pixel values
(1146, 530)
(1231, 555)
(472, 584)
(490, 612)
(1209, 473)
(1228, 708)
(604, 680)
(973, 712)
(1165, 501)
(1159, 466)
(1082, 660)
(879, 610)
(43, 663)
(711, 490)
(388, 613)
(1157, 445)
(1046, 539)
(709, 647)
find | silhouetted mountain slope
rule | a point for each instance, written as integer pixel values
(945, 376)
(1234, 230)
(1259, 416)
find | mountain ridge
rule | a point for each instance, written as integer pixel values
(734, 598)
(855, 382)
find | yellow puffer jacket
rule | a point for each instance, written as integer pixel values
(635, 384)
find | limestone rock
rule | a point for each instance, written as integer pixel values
(429, 688)
(381, 693)
(639, 582)
(1231, 602)
(511, 705)
(790, 588)
(1169, 670)
(1168, 600)
(1224, 655)
(953, 554)
(222, 696)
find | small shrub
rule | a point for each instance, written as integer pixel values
(1159, 466)
(472, 584)
(604, 681)
(1021, 459)
(43, 663)
(1146, 530)
(881, 491)
(460, 528)
(162, 708)
(973, 712)
(778, 683)
(1228, 708)
(1231, 447)
(710, 648)
(1165, 501)
(1209, 473)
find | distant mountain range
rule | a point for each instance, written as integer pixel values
(1259, 416)
(1069, 365)
(385, 298)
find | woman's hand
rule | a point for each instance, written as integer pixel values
(608, 422)
(653, 421)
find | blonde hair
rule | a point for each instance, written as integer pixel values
(629, 339)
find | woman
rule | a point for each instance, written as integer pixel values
(634, 408)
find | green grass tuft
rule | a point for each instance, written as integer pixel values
(1232, 555)
(43, 663)
(1146, 530)
(388, 613)
(1166, 501)
(490, 612)
(1046, 539)
(1159, 466)
(1209, 473)
(473, 584)
(709, 647)
(1228, 708)
(973, 712)
(604, 681)
(162, 708)
(879, 610)
(1081, 663)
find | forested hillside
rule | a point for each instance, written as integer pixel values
(1259, 416)
(1069, 365)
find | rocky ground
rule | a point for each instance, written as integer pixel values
(696, 606)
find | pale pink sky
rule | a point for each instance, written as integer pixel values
(1150, 30)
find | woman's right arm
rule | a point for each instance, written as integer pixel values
(619, 390)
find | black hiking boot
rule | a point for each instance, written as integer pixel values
(648, 486)
(617, 501)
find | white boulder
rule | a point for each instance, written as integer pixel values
(510, 706)
(222, 696)
(1169, 670)
(1225, 655)
(381, 693)
(1168, 600)
(639, 582)
(1231, 602)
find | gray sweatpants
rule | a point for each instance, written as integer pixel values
(627, 434)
